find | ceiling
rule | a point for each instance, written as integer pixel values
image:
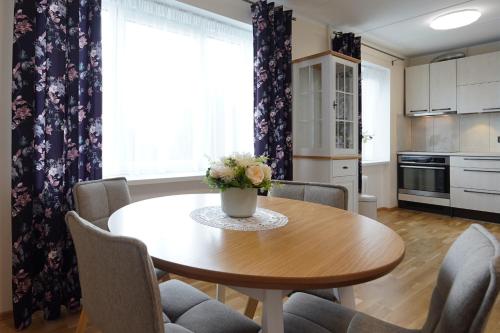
(403, 25)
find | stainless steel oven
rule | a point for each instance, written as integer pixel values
(423, 177)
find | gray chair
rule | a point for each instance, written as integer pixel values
(325, 194)
(121, 294)
(466, 289)
(96, 200)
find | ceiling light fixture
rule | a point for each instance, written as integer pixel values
(455, 19)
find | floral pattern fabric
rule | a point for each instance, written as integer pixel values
(272, 30)
(56, 142)
(349, 44)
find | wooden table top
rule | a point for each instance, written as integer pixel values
(320, 247)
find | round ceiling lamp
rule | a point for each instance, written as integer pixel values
(456, 19)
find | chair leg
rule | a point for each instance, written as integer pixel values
(82, 322)
(164, 278)
(220, 293)
(251, 307)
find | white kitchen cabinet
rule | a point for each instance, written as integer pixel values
(325, 100)
(337, 172)
(443, 86)
(475, 183)
(417, 89)
(478, 69)
(474, 98)
(325, 121)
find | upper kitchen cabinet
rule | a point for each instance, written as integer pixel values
(443, 86)
(478, 83)
(417, 89)
(475, 98)
(325, 121)
(479, 69)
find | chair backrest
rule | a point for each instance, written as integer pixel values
(96, 200)
(467, 284)
(326, 194)
(119, 288)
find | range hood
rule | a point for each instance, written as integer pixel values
(432, 112)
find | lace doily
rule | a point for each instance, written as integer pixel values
(263, 219)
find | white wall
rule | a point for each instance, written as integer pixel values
(464, 133)
(382, 178)
(6, 13)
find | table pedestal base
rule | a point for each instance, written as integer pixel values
(272, 304)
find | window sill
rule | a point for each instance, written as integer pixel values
(374, 163)
(165, 180)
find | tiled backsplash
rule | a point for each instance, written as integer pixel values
(464, 133)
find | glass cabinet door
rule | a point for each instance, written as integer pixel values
(308, 109)
(344, 107)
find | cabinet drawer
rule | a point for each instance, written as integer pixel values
(482, 200)
(490, 162)
(475, 178)
(342, 168)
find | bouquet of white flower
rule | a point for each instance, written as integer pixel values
(240, 171)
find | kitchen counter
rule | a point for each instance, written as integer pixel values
(449, 154)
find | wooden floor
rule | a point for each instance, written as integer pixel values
(401, 297)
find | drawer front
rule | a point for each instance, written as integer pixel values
(475, 178)
(481, 200)
(342, 168)
(492, 162)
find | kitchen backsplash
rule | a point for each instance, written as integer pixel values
(452, 133)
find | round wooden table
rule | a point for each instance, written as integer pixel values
(320, 247)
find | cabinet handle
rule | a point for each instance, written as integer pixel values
(482, 192)
(421, 167)
(491, 109)
(443, 109)
(481, 159)
(345, 167)
(479, 170)
(334, 105)
(419, 110)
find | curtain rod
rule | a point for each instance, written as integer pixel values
(253, 3)
(384, 52)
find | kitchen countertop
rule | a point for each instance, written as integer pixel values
(448, 153)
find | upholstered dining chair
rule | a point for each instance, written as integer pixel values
(121, 293)
(96, 200)
(466, 289)
(325, 194)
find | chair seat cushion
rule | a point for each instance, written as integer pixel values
(308, 313)
(195, 311)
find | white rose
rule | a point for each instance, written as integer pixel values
(244, 160)
(223, 172)
(268, 172)
(255, 173)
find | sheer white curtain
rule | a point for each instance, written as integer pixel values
(376, 110)
(177, 87)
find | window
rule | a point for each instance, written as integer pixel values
(177, 88)
(376, 108)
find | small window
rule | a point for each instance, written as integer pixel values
(376, 108)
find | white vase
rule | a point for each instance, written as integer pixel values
(237, 202)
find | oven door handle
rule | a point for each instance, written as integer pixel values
(422, 167)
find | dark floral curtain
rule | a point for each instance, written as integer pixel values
(272, 31)
(349, 44)
(56, 142)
